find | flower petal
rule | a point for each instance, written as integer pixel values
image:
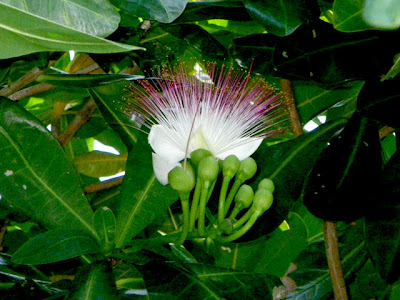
(162, 167)
(161, 139)
(247, 146)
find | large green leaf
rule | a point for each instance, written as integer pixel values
(96, 17)
(96, 283)
(279, 17)
(271, 254)
(25, 31)
(347, 15)
(36, 176)
(143, 198)
(164, 11)
(287, 164)
(382, 227)
(97, 164)
(53, 246)
(104, 222)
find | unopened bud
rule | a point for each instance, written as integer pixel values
(267, 184)
(230, 166)
(244, 196)
(262, 201)
(197, 155)
(208, 169)
(182, 180)
(248, 168)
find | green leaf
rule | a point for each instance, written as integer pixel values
(271, 254)
(382, 14)
(25, 32)
(111, 101)
(143, 198)
(343, 183)
(85, 80)
(394, 70)
(128, 278)
(164, 11)
(278, 17)
(288, 164)
(97, 284)
(98, 164)
(104, 223)
(347, 16)
(53, 246)
(36, 177)
(96, 18)
(382, 226)
(312, 99)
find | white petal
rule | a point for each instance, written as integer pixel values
(161, 140)
(246, 148)
(162, 167)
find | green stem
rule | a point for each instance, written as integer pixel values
(195, 205)
(222, 197)
(243, 219)
(232, 194)
(235, 211)
(241, 231)
(186, 218)
(202, 208)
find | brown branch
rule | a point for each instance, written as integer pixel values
(333, 257)
(58, 111)
(3, 230)
(294, 118)
(80, 119)
(32, 90)
(99, 186)
(21, 82)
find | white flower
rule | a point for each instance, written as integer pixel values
(227, 114)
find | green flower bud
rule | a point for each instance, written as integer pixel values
(266, 184)
(230, 166)
(248, 168)
(208, 169)
(181, 180)
(197, 155)
(262, 201)
(244, 196)
(226, 226)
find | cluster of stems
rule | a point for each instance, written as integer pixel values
(195, 181)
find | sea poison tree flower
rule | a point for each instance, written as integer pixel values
(225, 112)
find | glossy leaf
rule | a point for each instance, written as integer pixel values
(278, 17)
(271, 254)
(288, 164)
(85, 80)
(104, 223)
(97, 283)
(395, 69)
(382, 227)
(54, 246)
(96, 17)
(164, 11)
(24, 32)
(98, 164)
(343, 183)
(129, 279)
(110, 100)
(143, 198)
(36, 177)
(347, 16)
(382, 14)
